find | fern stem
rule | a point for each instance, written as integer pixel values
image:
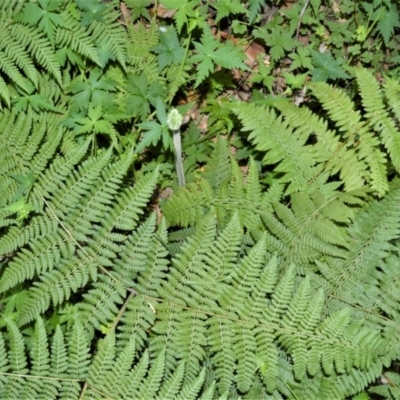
(132, 293)
(40, 377)
(83, 391)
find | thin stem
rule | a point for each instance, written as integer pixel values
(132, 293)
(178, 157)
(303, 10)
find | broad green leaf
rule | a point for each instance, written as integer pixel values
(210, 53)
(25, 184)
(169, 49)
(301, 59)
(388, 21)
(139, 8)
(227, 7)
(94, 90)
(140, 95)
(326, 67)
(43, 14)
(92, 10)
(156, 131)
(186, 9)
(279, 42)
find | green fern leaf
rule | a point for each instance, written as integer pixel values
(136, 377)
(59, 356)
(73, 36)
(40, 48)
(171, 387)
(151, 385)
(17, 356)
(5, 91)
(378, 118)
(102, 363)
(9, 68)
(117, 379)
(190, 390)
(220, 340)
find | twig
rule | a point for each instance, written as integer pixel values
(303, 10)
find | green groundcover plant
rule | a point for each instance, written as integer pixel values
(144, 257)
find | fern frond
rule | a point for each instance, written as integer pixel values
(188, 204)
(355, 132)
(191, 390)
(110, 36)
(331, 154)
(40, 365)
(102, 363)
(141, 254)
(171, 387)
(136, 377)
(296, 240)
(220, 340)
(371, 235)
(10, 69)
(272, 135)
(391, 90)
(40, 355)
(151, 385)
(242, 281)
(5, 92)
(132, 201)
(219, 167)
(40, 48)
(389, 387)
(139, 50)
(21, 57)
(57, 286)
(117, 379)
(245, 348)
(225, 189)
(137, 320)
(17, 356)
(377, 116)
(154, 272)
(13, 7)
(59, 356)
(76, 38)
(100, 303)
